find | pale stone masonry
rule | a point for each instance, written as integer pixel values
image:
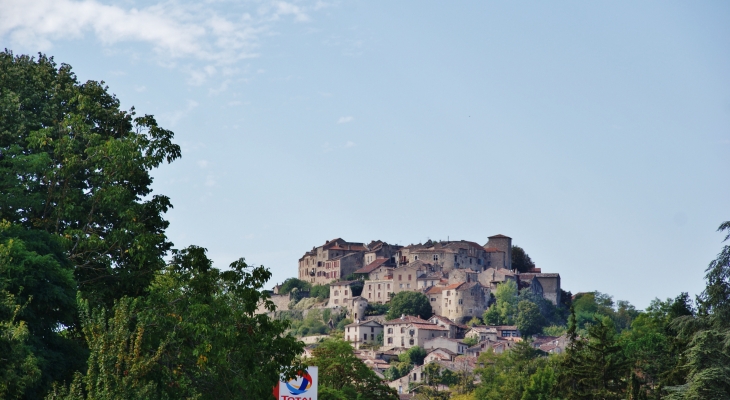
(458, 277)
(363, 332)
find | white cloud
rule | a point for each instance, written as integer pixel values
(178, 32)
(344, 120)
(349, 144)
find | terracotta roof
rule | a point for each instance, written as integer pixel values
(435, 289)
(372, 266)
(453, 286)
(363, 323)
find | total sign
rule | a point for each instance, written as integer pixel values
(303, 387)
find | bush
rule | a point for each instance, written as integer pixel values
(321, 292)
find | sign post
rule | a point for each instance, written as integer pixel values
(303, 387)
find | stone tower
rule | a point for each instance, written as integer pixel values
(504, 244)
(358, 308)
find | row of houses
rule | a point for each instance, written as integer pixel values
(338, 258)
(442, 338)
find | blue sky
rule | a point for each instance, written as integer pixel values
(596, 135)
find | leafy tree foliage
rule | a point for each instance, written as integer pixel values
(74, 164)
(409, 303)
(377, 309)
(521, 261)
(321, 292)
(344, 376)
(196, 335)
(515, 374)
(18, 365)
(504, 310)
(414, 356)
(36, 274)
(707, 356)
(294, 283)
(529, 320)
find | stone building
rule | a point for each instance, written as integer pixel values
(342, 292)
(333, 260)
(500, 249)
(447, 255)
(549, 285)
(454, 345)
(379, 249)
(408, 331)
(363, 332)
(462, 301)
(376, 269)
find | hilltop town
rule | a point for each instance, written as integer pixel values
(459, 279)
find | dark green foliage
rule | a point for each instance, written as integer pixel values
(409, 303)
(414, 355)
(707, 355)
(73, 164)
(36, 274)
(18, 365)
(195, 335)
(511, 374)
(521, 261)
(321, 292)
(377, 309)
(529, 320)
(294, 283)
(344, 376)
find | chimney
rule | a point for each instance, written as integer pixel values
(402, 317)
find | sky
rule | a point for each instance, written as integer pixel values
(595, 134)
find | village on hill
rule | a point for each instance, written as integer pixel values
(459, 279)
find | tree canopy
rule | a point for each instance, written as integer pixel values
(409, 303)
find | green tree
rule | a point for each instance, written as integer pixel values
(75, 165)
(529, 320)
(414, 356)
(409, 303)
(707, 357)
(294, 283)
(321, 292)
(504, 310)
(344, 376)
(35, 273)
(196, 335)
(18, 365)
(521, 261)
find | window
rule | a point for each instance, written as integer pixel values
(411, 342)
(337, 293)
(348, 338)
(433, 299)
(401, 286)
(400, 278)
(389, 286)
(470, 261)
(390, 340)
(408, 285)
(416, 258)
(412, 332)
(372, 336)
(479, 261)
(435, 257)
(345, 292)
(409, 277)
(448, 292)
(370, 287)
(390, 330)
(372, 329)
(461, 301)
(337, 301)
(455, 257)
(348, 329)
(370, 295)
(402, 330)
(378, 294)
(364, 336)
(378, 286)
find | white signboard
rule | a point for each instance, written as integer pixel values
(303, 387)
